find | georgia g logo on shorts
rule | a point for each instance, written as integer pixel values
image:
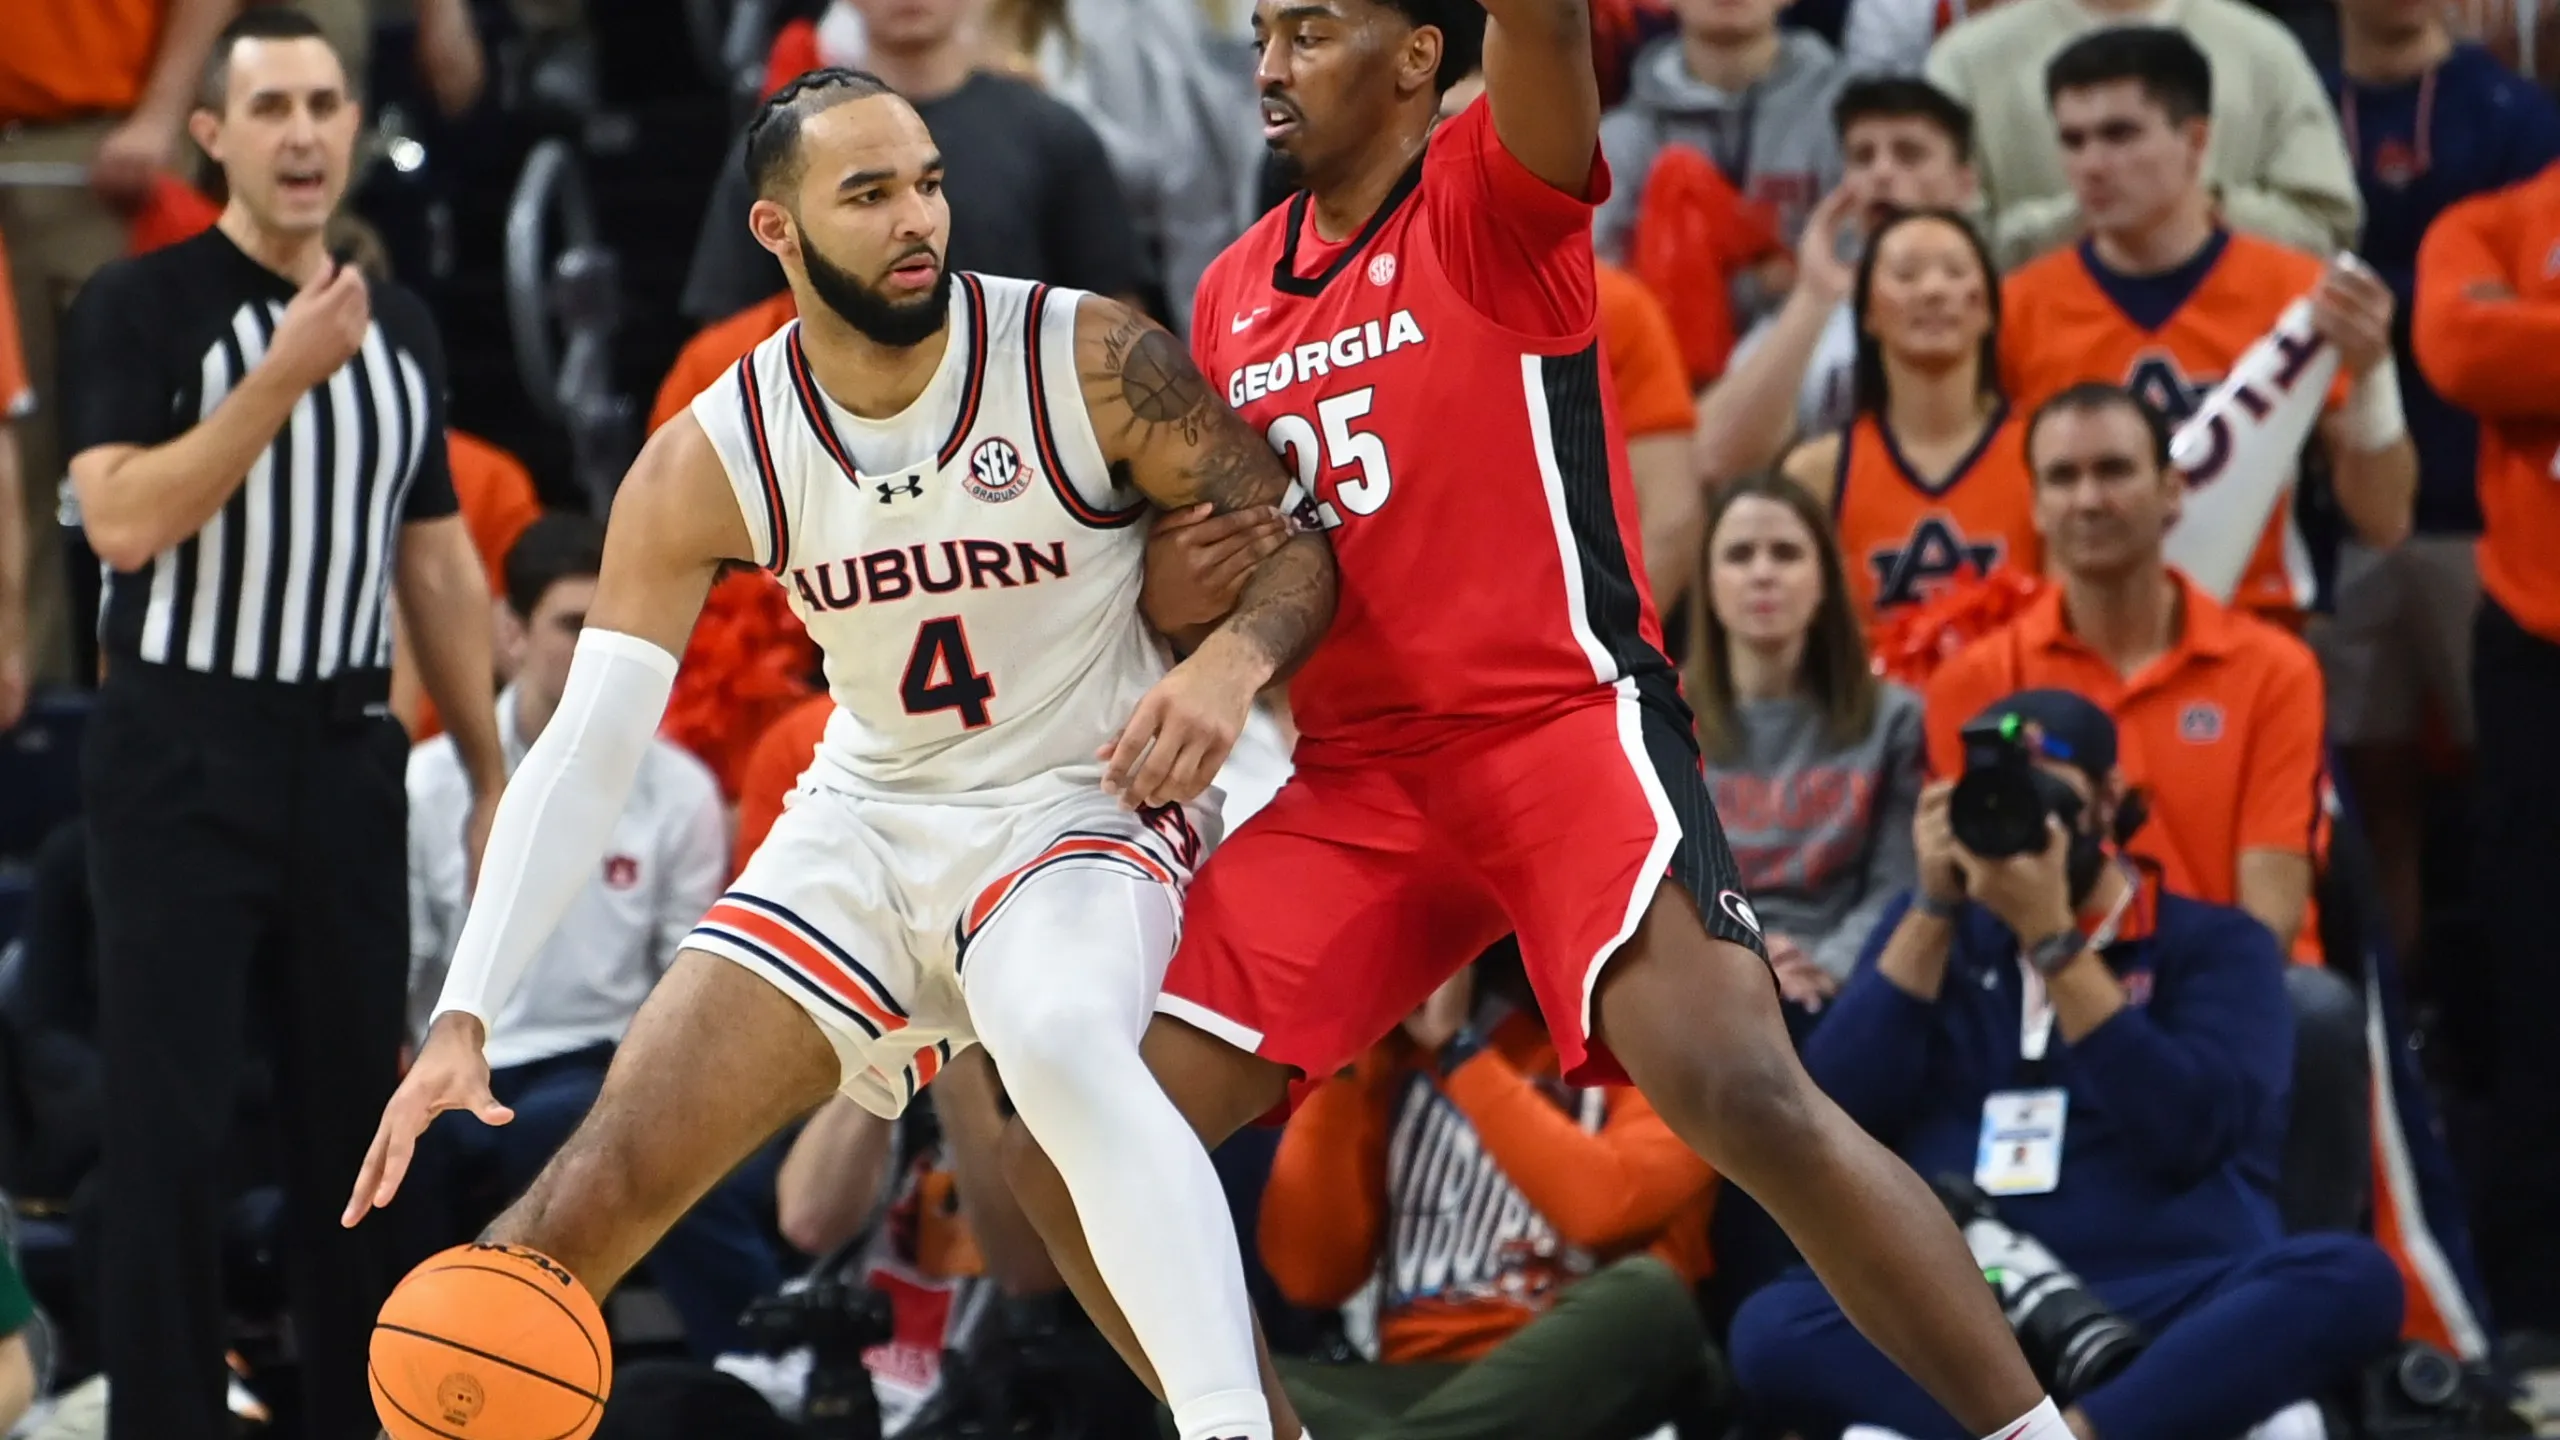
(1739, 910)
(997, 471)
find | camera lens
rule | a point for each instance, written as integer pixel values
(1997, 812)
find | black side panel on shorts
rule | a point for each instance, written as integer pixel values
(1577, 423)
(1704, 864)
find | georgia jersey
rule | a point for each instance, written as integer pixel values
(969, 567)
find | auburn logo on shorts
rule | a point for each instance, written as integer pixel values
(2200, 723)
(621, 872)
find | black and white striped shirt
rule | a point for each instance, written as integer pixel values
(291, 579)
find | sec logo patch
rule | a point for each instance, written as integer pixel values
(997, 471)
(1382, 270)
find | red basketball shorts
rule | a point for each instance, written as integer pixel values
(1339, 907)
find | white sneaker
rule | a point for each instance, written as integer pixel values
(2298, 1421)
(783, 1380)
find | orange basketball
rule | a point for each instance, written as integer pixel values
(490, 1342)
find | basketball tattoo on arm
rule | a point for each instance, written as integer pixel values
(1168, 434)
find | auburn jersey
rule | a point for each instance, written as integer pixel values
(969, 567)
(2169, 338)
(1435, 384)
(1907, 536)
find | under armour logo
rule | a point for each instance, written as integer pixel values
(891, 489)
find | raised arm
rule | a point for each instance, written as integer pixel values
(1166, 432)
(674, 523)
(1539, 81)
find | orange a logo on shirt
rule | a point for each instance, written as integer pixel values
(2158, 379)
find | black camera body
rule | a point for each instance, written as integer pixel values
(838, 1320)
(2003, 798)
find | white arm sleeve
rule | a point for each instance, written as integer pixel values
(558, 815)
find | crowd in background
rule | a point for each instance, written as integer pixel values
(1903, 302)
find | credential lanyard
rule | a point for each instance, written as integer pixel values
(2035, 1003)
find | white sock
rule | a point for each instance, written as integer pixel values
(2042, 1423)
(1060, 986)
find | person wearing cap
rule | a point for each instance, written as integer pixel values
(2108, 1062)
(2221, 714)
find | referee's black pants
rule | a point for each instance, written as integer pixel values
(248, 847)
(2516, 691)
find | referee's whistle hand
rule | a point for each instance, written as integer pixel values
(451, 1073)
(323, 327)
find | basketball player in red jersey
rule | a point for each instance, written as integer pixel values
(1491, 739)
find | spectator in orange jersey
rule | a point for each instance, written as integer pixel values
(2486, 329)
(2162, 298)
(1535, 1244)
(773, 769)
(715, 348)
(2220, 714)
(16, 400)
(105, 87)
(1928, 485)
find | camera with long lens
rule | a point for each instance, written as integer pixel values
(837, 1319)
(2072, 1340)
(2002, 800)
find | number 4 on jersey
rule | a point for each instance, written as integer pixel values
(941, 676)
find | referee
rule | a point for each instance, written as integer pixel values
(258, 452)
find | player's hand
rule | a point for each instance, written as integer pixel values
(322, 328)
(2352, 310)
(1933, 837)
(1182, 730)
(1198, 561)
(450, 58)
(451, 1073)
(1821, 268)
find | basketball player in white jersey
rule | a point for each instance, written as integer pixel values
(952, 482)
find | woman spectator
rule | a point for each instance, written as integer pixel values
(1929, 483)
(1815, 762)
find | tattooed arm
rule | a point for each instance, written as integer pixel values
(1166, 433)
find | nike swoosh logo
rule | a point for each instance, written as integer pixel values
(1242, 323)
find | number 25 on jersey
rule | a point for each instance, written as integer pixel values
(1333, 440)
(941, 676)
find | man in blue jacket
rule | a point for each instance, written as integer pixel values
(2133, 1050)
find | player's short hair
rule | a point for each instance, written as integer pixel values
(263, 22)
(2097, 396)
(1904, 97)
(2172, 71)
(1461, 27)
(773, 137)
(558, 546)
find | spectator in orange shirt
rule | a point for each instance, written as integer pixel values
(16, 399)
(498, 505)
(2220, 714)
(1535, 1244)
(715, 348)
(106, 85)
(2486, 327)
(773, 770)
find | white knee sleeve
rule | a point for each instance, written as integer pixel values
(1060, 988)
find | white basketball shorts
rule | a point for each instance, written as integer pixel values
(862, 909)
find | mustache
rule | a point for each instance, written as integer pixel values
(1272, 95)
(913, 252)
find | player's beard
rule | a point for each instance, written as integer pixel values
(899, 326)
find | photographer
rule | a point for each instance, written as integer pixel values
(2109, 1065)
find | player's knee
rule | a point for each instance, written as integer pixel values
(1738, 1103)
